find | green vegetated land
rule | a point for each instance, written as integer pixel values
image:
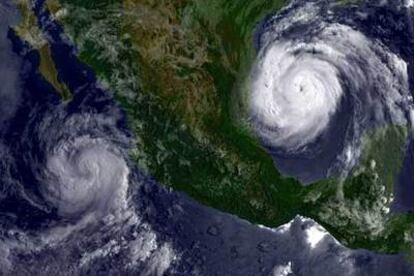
(177, 67)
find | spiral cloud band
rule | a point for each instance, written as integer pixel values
(84, 174)
(296, 94)
(81, 165)
(315, 75)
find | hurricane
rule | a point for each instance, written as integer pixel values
(84, 174)
(319, 83)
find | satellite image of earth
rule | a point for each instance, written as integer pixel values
(207, 137)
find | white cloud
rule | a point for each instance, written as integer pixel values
(283, 270)
(315, 234)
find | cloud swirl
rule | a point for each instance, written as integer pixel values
(314, 73)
